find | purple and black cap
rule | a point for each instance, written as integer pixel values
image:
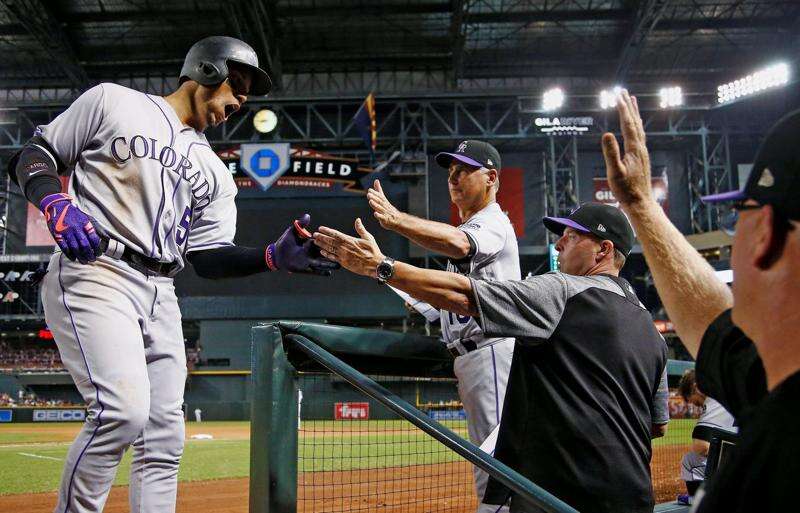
(604, 221)
(775, 177)
(473, 153)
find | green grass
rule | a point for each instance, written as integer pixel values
(679, 432)
(334, 446)
(202, 460)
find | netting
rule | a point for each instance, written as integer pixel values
(669, 450)
(356, 455)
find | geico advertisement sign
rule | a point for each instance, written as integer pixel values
(58, 415)
(351, 411)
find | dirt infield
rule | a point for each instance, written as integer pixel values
(665, 469)
(223, 496)
(445, 488)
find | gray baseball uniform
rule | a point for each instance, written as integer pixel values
(483, 373)
(156, 186)
(693, 465)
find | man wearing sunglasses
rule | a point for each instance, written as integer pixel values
(747, 343)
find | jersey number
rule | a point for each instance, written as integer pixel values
(462, 319)
(183, 226)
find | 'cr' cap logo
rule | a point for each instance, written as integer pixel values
(462, 147)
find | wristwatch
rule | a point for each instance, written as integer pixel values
(385, 270)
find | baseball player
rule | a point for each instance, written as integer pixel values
(147, 195)
(714, 416)
(484, 246)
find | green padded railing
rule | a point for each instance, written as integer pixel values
(282, 349)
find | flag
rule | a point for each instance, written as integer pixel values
(364, 121)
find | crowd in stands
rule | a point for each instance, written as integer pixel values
(36, 357)
(30, 399)
(679, 408)
(29, 357)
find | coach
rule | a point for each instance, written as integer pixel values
(748, 356)
(587, 388)
(483, 246)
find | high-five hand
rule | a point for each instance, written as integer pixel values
(295, 252)
(628, 175)
(386, 213)
(359, 255)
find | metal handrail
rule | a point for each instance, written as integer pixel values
(500, 471)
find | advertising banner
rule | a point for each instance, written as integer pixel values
(52, 415)
(351, 411)
(603, 194)
(6, 415)
(278, 169)
(447, 415)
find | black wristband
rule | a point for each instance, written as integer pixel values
(39, 187)
(228, 262)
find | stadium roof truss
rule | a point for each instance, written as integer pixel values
(54, 49)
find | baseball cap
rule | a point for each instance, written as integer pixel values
(775, 177)
(474, 153)
(604, 221)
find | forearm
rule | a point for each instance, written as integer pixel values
(228, 262)
(444, 290)
(686, 283)
(700, 447)
(438, 237)
(35, 170)
(658, 430)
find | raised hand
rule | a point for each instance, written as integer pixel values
(628, 175)
(359, 255)
(386, 213)
(295, 251)
(72, 229)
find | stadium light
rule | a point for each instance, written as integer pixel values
(265, 121)
(671, 97)
(553, 99)
(767, 78)
(608, 98)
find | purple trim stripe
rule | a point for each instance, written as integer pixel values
(219, 244)
(91, 380)
(725, 196)
(445, 158)
(496, 394)
(163, 198)
(557, 224)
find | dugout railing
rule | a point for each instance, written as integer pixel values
(313, 366)
(282, 352)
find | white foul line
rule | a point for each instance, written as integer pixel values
(38, 456)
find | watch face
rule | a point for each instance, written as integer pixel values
(385, 270)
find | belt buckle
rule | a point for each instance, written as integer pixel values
(454, 352)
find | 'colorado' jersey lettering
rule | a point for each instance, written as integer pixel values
(151, 182)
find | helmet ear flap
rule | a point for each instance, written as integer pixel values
(209, 71)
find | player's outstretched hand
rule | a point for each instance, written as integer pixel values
(360, 255)
(295, 251)
(386, 213)
(72, 229)
(628, 175)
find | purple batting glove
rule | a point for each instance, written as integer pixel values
(71, 228)
(295, 251)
